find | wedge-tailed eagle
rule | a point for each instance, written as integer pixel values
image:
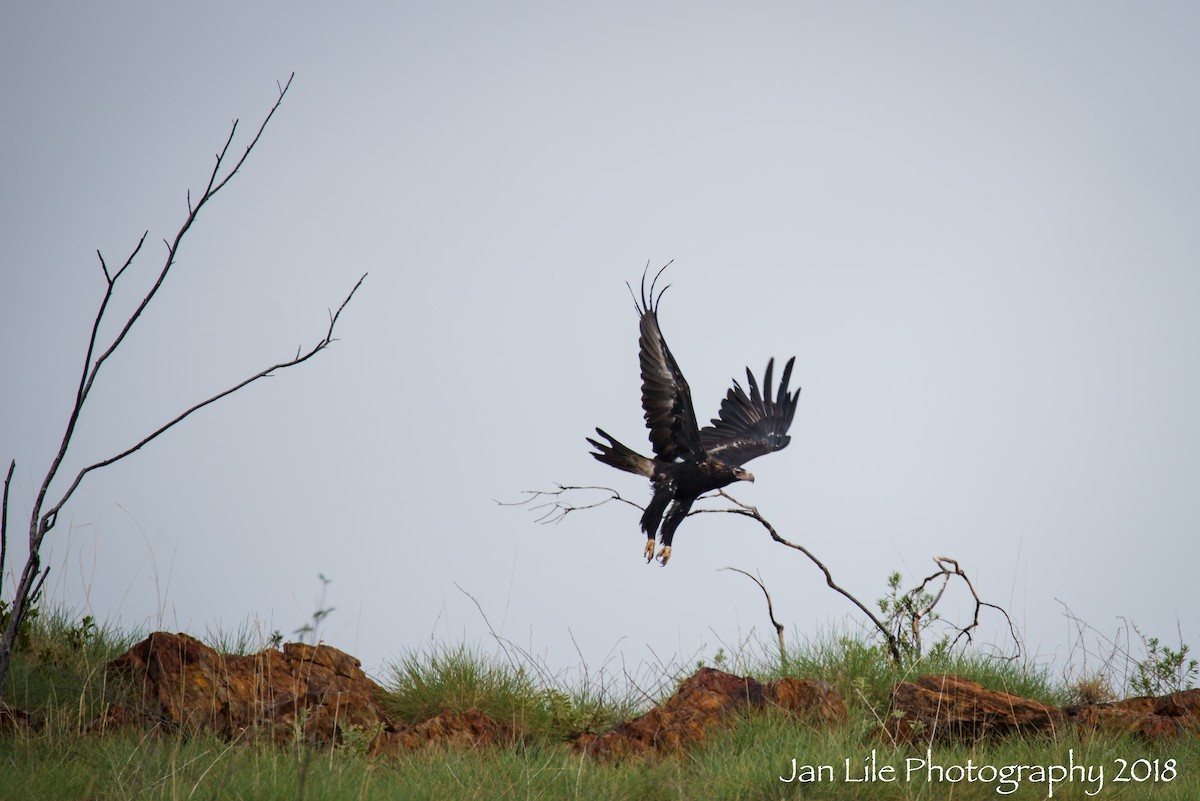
(688, 460)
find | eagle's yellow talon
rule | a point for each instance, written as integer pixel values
(648, 551)
(664, 555)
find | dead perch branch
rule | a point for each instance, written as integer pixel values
(553, 506)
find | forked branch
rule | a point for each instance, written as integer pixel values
(92, 368)
(948, 568)
(301, 356)
(553, 506)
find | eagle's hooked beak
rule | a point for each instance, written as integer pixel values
(745, 475)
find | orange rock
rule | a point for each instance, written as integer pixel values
(185, 683)
(317, 691)
(945, 707)
(706, 700)
(942, 706)
(1165, 716)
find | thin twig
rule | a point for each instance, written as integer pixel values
(556, 509)
(499, 640)
(770, 612)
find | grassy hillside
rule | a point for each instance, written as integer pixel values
(59, 677)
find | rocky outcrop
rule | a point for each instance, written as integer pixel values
(706, 700)
(944, 707)
(316, 691)
(322, 694)
(1154, 718)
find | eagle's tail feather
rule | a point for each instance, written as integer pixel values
(621, 457)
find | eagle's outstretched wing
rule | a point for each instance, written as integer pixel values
(666, 398)
(754, 424)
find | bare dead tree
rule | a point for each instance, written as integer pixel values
(553, 506)
(43, 516)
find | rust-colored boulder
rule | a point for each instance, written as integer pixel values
(705, 700)
(942, 707)
(317, 692)
(1165, 716)
(182, 682)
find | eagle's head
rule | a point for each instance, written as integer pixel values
(742, 475)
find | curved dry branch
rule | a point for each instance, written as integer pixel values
(770, 613)
(945, 564)
(556, 509)
(746, 510)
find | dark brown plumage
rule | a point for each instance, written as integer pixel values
(688, 460)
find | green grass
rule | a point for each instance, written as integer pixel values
(423, 683)
(59, 673)
(60, 678)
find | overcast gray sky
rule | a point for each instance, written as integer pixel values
(975, 226)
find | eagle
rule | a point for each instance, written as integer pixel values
(688, 460)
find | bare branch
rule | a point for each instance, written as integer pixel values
(770, 612)
(282, 91)
(320, 346)
(746, 510)
(85, 386)
(943, 562)
(554, 509)
(911, 613)
(129, 261)
(4, 519)
(38, 587)
(209, 192)
(90, 369)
